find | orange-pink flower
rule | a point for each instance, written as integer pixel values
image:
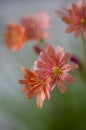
(14, 36)
(53, 64)
(35, 25)
(75, 17)
(35, 84)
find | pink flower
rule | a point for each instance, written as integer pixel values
(35, 25)
(53, 64)
(75, 17)
(14, 36)
(42, 19)
(35, 84)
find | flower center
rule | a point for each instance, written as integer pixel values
(83, 21)
(56, 70)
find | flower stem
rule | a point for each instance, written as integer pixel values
(84, 50)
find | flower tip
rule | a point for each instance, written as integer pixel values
(22, 68)
(77, 66)
(62, 89)
(40, 105)
(35, 62)
(37, 49)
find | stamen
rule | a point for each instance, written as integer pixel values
(56, 70)
(83, 21)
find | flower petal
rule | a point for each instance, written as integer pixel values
(70, 29)
(77, 32)
(70, 67)
(52, 83)
(76, 10)
(61, 86)
(27, 72)
(44, 57)
(65, 57)
(46, 92)
(67, 78)
(59, 54)
(40, 98)
(50, 54)
(68, 20)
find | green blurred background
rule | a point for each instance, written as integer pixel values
(63, 111)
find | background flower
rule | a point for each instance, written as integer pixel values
(75, 17)
(14, 36)
(35, 25)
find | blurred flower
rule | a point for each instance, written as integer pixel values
(35, 25)
(42, 19)
(37, 49)
(75, 17)
(14, 36)
(34, 84)
(76, 60)
(53, 64)
(81, 69)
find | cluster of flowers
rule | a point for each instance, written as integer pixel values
(51, 66)
(31, 27)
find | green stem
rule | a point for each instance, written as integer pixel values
(42, 41)
(84, 51)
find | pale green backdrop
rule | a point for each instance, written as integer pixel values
(62, 112)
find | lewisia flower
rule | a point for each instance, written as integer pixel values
(14, 36)
(34, 84)
(75, 17)
(53, 64)
(35, 26)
